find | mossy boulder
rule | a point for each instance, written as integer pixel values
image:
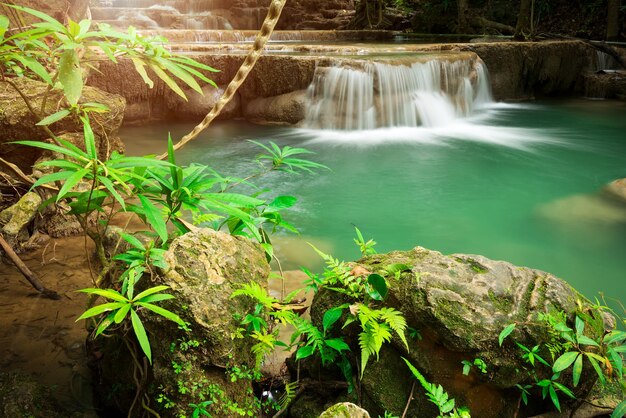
(15, 219)
(209, 361)
(459, 304)
(22, 396)
(345, 410)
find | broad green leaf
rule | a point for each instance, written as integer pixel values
(163, 312)
(304, 352)
(132, 240)
(597, 368)
(505, 333)
(577, 370)
(72, 181)
(157, 298)
(34, 65)
(140, 332)
(564, 389)
(330, 317)
(282, 202)
(564, 361)
(582, 339)
(337, 344)
(614, 337)
(105, 323)
(55, 117)
(140, 68)
(70, 76)
(50, 178)
(4, 25)
(447, 407)
(54, 148)
(168, 80)
(379, 284)
(235, 198)
(121, 314)
(97, 310)
(181, 74)
(554, 397)
(150, 291)
(107, 293)
(580, 325)
(111, 188)
(153, 215)
(90, 140)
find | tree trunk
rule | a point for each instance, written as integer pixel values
(463, 6)
(523, 27)
(612, 21)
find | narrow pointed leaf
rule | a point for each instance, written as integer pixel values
(97, 310)
(142, 337)
(153, 215)
(564, 361)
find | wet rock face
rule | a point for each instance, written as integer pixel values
(18, 123)
(460, 304)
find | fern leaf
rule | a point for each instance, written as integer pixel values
(396, 322)
(254, 291)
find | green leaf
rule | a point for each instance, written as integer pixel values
(140, 68)
(282, 202)
(121, 314)
(140, 332)
(132, 240)
(330, 317)
(379, 284)
(72, 181)
(577, 370)
(153, 215)
(554, 397)
(111, 188)
(505, 333)
(304, 352)
(564, 361)
(4, 25)
(97, 310)
(597, 368)
(181, 74)
(163, 312)
(337, 344)
(58, 27)
(582, 339)
(107, 293)
(168, 80)
(620, 410)
(54, 148)
(34, 65)
(70, 76)
(90, 140)
(49, 120)
(150, 291)
(105, 323)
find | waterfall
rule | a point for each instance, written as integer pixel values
(376, 94)
(604, 61)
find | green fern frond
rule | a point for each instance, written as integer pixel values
(288, 396)
(396, 322)
(266, 344)
(254, 291)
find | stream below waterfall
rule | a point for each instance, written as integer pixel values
(516, 182)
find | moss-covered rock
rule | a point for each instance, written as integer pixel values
(21, 396)
(345, 410)
(460, 304)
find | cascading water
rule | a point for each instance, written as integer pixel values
(380, 95)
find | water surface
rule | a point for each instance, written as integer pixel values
(520, 183)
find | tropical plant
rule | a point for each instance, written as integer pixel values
(438, 396)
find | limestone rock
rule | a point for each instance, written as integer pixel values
(286, 109)
(17, 123)
(460, 304)
(205, 267)
(198, 105)
(345, 410)
(15, 219)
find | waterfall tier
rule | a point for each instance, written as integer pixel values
(367, 95)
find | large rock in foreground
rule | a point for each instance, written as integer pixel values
(205, 268)
(460, 304)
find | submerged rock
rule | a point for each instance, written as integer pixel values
(285, 109)
(16, 219)
(460, 304)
